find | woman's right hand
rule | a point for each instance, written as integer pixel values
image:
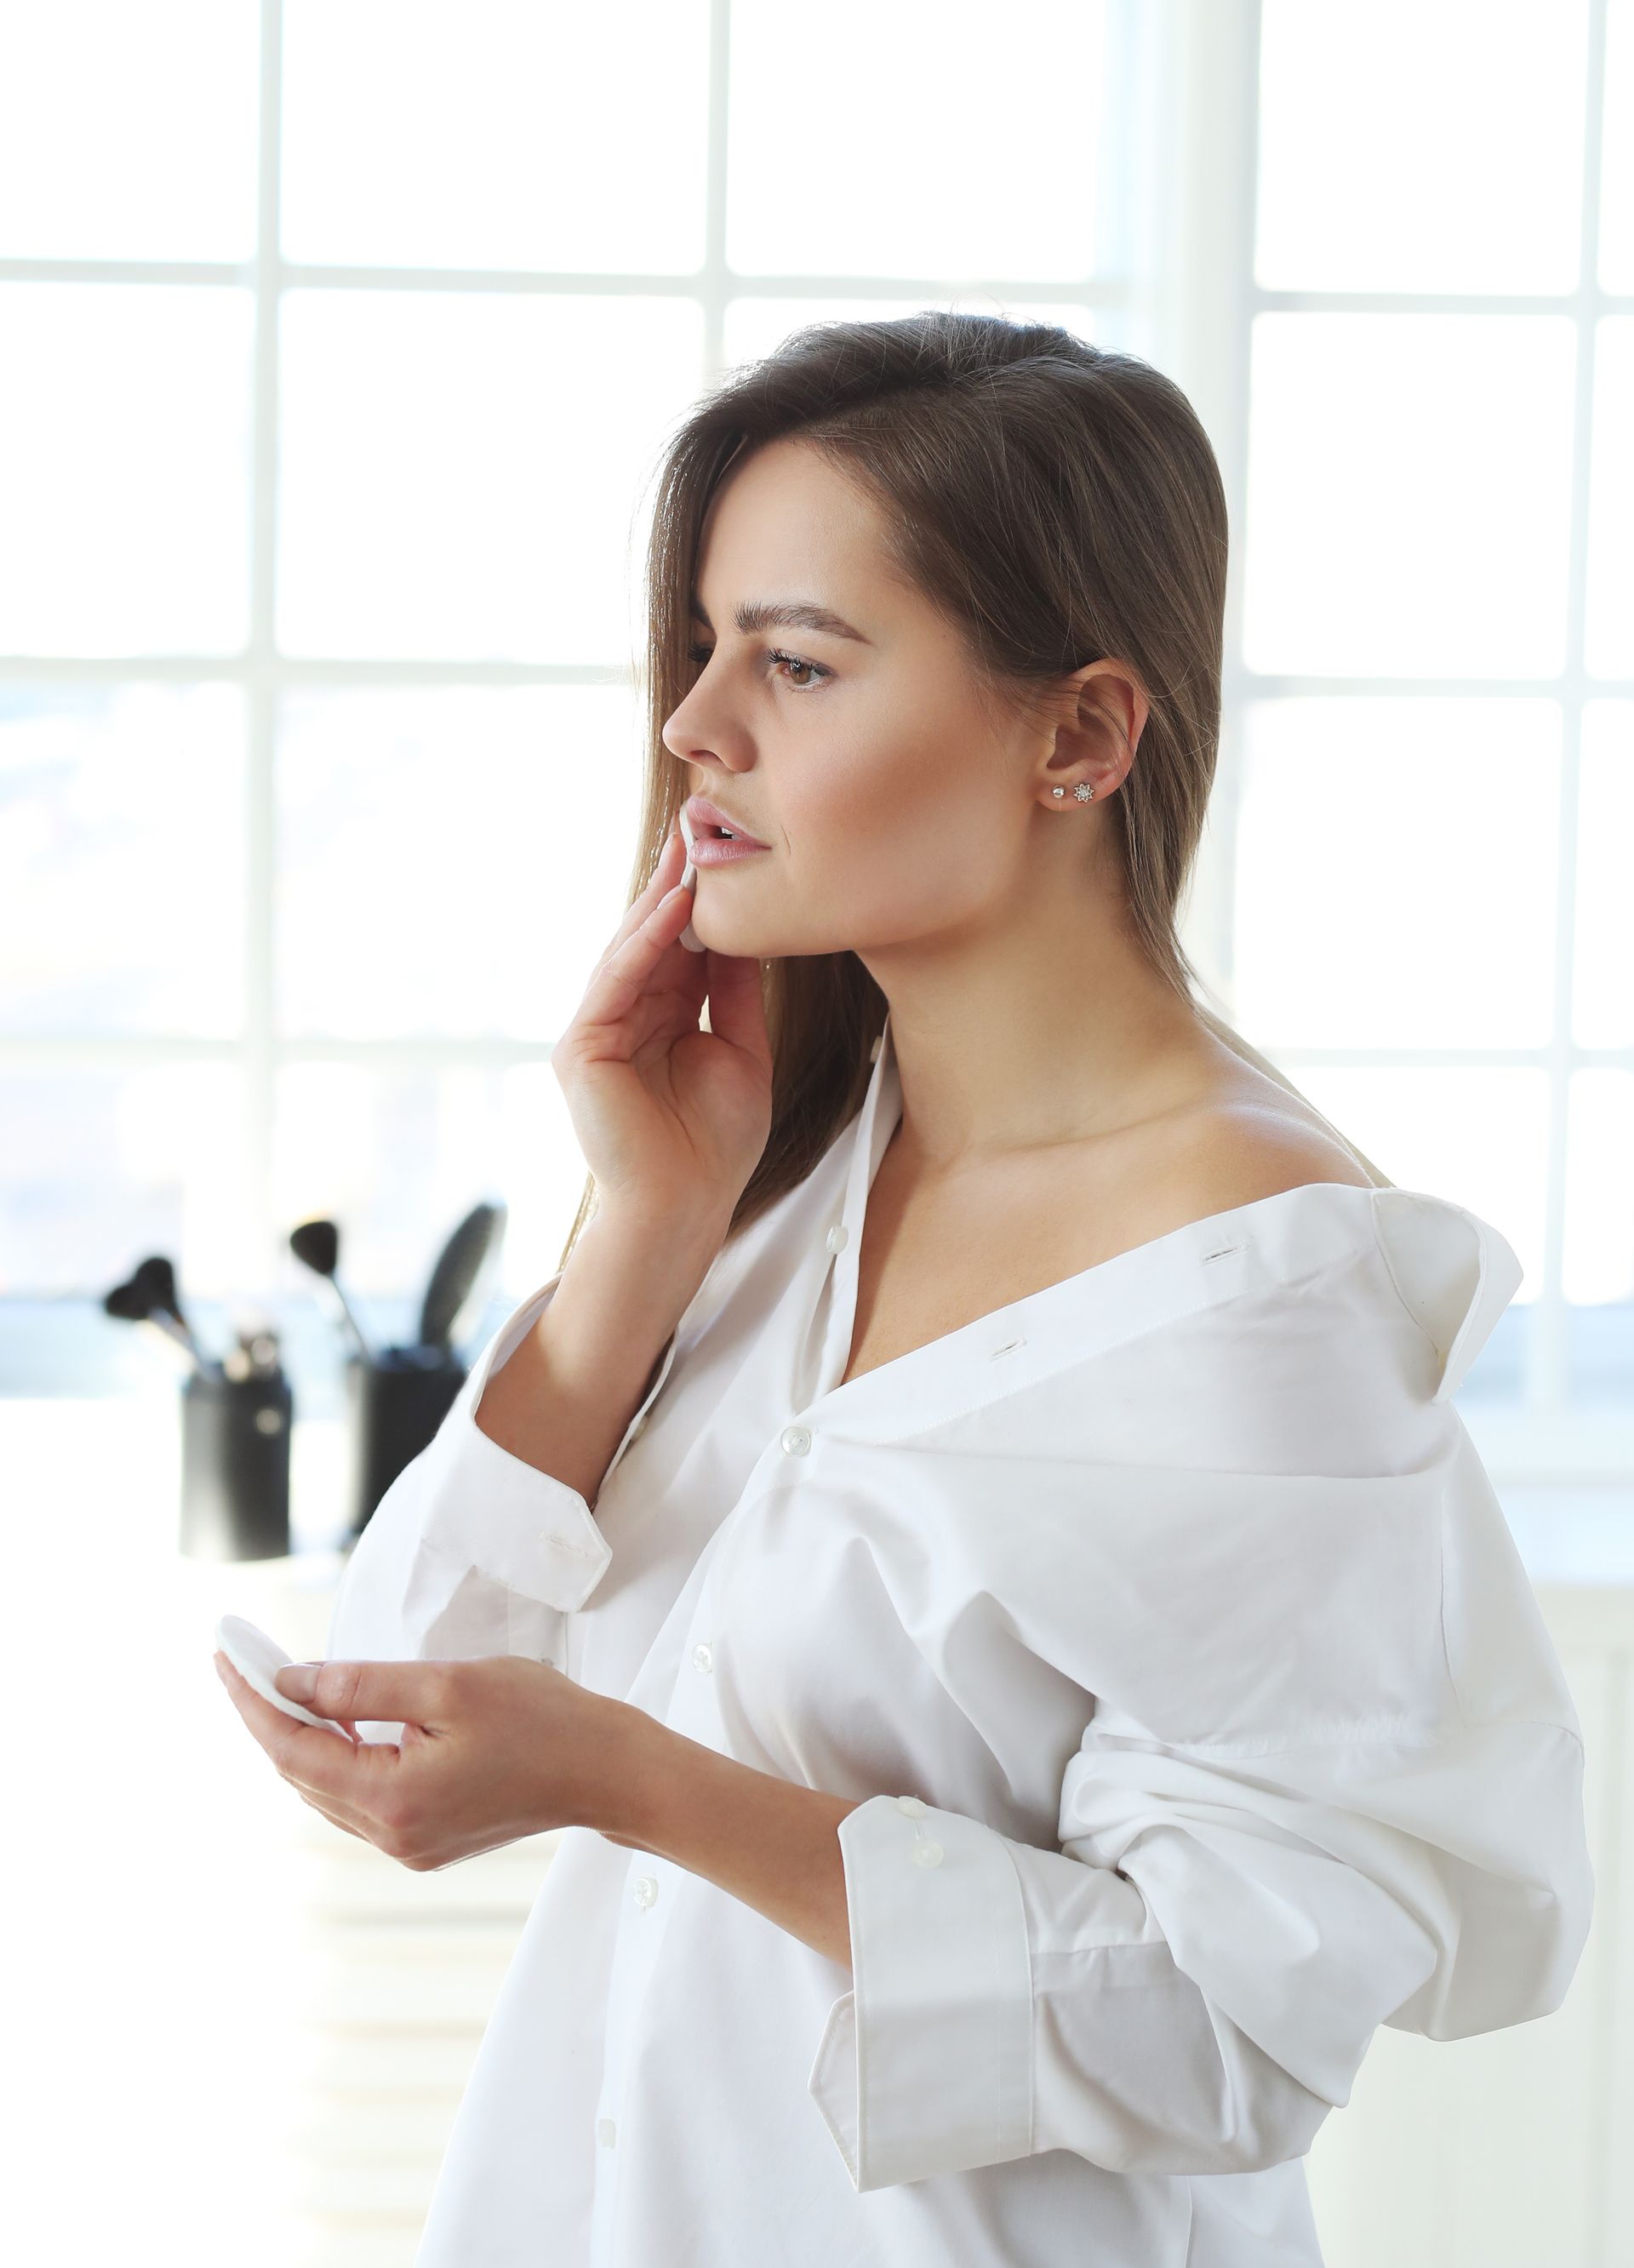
(671, 1119)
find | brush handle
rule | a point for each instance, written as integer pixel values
(364, 1348)
(173, 1329)
(184, 1331)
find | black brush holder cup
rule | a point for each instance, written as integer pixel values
(396, 1402)
(235, 1466)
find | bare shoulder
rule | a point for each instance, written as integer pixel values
(1234, 1152)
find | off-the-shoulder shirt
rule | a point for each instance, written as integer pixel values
(1166, 1630)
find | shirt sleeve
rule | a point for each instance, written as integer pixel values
(1189, 1983)
(1333, 1778)
(471, 1552)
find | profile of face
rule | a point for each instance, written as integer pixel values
(897, 811)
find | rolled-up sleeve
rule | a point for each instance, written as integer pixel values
(1188, 1985)
(471, 1552)
(1327, 1775)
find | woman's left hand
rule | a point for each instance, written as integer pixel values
(492, 1750)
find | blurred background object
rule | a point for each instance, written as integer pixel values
(337, 344)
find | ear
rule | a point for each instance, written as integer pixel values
(1455, 1274)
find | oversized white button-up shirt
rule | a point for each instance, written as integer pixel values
(1168, 1623)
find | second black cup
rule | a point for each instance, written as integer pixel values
(395, 1404)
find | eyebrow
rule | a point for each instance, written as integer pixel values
(756, 614)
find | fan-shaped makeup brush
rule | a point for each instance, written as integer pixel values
(316, 1244)
(461, 1274)
(150, 1297)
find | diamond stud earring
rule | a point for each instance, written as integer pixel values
(1081, 791)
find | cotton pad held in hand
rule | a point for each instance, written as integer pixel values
(689, 937)
(255, 1657)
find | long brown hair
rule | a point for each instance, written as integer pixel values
(1062, 504)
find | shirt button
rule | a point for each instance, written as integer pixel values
(703, 1657)
(645, 1890)
(839, 1237)
(911, 1805)
(607, 2132)
(796, 1441)
(927, 1854)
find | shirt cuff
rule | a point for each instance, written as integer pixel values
(471, 1552)
(486, 1509)
(925, 2066)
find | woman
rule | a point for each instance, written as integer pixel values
(1045, 1675)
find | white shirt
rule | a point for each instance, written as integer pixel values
(1168, 1623)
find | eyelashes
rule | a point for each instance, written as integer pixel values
(701, 654)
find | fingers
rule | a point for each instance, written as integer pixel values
(624, 974)
(671, 865)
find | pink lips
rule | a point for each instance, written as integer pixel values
(705, 816)
(715, 851)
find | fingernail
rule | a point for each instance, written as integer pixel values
(299, 1681)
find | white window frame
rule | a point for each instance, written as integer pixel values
(1201, 332)
(1179, 171)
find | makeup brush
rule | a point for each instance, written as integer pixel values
(158, 1278)
(150, 1297)
(462, 1270)
(316, 1244)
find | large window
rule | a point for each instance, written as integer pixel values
(339, 341)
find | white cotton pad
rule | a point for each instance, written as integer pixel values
(689, 937)
(256, 1656)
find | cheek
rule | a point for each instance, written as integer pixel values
(883, 783)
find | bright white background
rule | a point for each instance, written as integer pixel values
(338, 341)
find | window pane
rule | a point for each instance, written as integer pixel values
(124, 468)
(1597, 1262)
(1616, 160)
(98, 1169)
(1608, 635)
(452, 861)
(396, 1158)
(869, 141)
(1603, 959)
(1395, 873)
(128, 133)
(122, 858)
(1408, 495)
(1421, 146)
(460, 470)
(499, 134)
(1477, 1137)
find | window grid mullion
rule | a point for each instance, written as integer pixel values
(259, 1052)
(1203, 327)
(1548, 1370)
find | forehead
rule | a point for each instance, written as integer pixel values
(785, 525)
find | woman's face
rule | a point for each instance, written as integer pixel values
(894, 811)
